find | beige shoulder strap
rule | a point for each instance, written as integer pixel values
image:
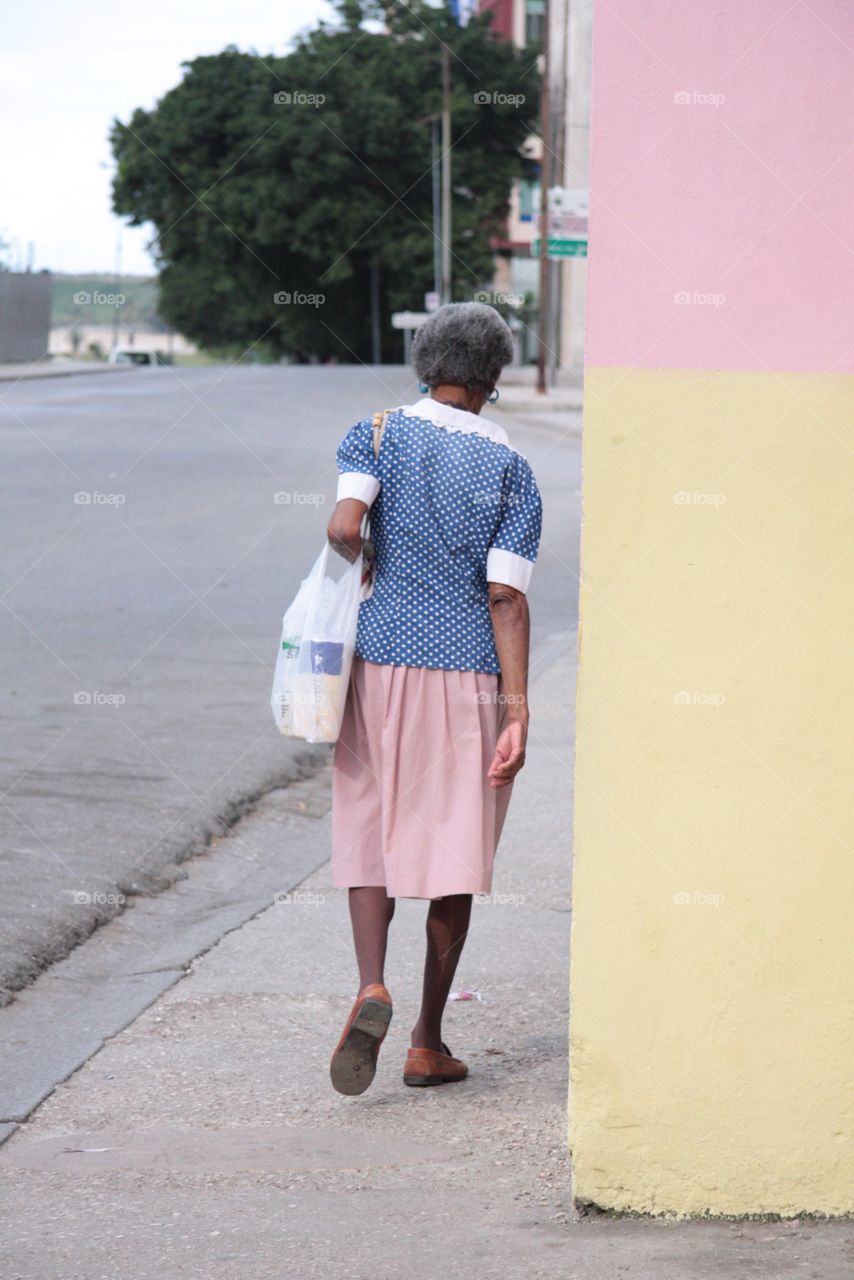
(379, 421)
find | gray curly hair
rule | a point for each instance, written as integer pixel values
(463, 344)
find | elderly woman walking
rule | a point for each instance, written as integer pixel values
(437, 716)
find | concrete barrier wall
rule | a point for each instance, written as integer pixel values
(24, 315)
(711, 1032)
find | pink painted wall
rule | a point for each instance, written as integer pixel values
(766, 255)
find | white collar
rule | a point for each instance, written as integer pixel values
(445, 415)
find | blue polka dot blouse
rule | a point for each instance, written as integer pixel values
(453, 507)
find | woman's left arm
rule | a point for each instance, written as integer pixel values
(344, 530)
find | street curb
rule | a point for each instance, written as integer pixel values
(305, 762)
(63, 1018)
(33, 374)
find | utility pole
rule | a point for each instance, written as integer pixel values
(560, 279)
(437, 206)
(445, 291)
(545, 183)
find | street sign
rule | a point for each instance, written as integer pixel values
(409, 319)
(567, 211)
(572, 201)
(561, 247)
(565, 226)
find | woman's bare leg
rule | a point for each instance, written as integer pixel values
(447, 926)
(371, 911)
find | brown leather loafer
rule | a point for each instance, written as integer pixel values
(426, 1067)
(354, 1062)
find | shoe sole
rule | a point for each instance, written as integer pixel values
(354, 1065)
(422, 1082)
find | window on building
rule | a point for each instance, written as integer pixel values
(527, 191)
(535, 21)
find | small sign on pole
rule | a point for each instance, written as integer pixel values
(561, 247)
(408, 319)
(568, 201)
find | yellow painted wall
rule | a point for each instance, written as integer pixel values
(712, 1028)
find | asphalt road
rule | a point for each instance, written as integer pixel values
(140, 622)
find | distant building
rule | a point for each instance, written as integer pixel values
(24, 315)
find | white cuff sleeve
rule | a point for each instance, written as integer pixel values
(357, 484)
(508, 568)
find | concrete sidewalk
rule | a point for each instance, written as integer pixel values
(518, 395)
(205, 1141)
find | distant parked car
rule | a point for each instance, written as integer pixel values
(138, 355)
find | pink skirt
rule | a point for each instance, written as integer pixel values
(412, 809)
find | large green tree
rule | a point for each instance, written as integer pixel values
(305, 174)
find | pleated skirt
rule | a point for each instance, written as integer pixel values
(412, 809)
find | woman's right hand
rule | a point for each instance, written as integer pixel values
(509, 755)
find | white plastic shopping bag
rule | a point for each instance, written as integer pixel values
(316, 653)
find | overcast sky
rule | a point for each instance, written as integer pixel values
(67, 67)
